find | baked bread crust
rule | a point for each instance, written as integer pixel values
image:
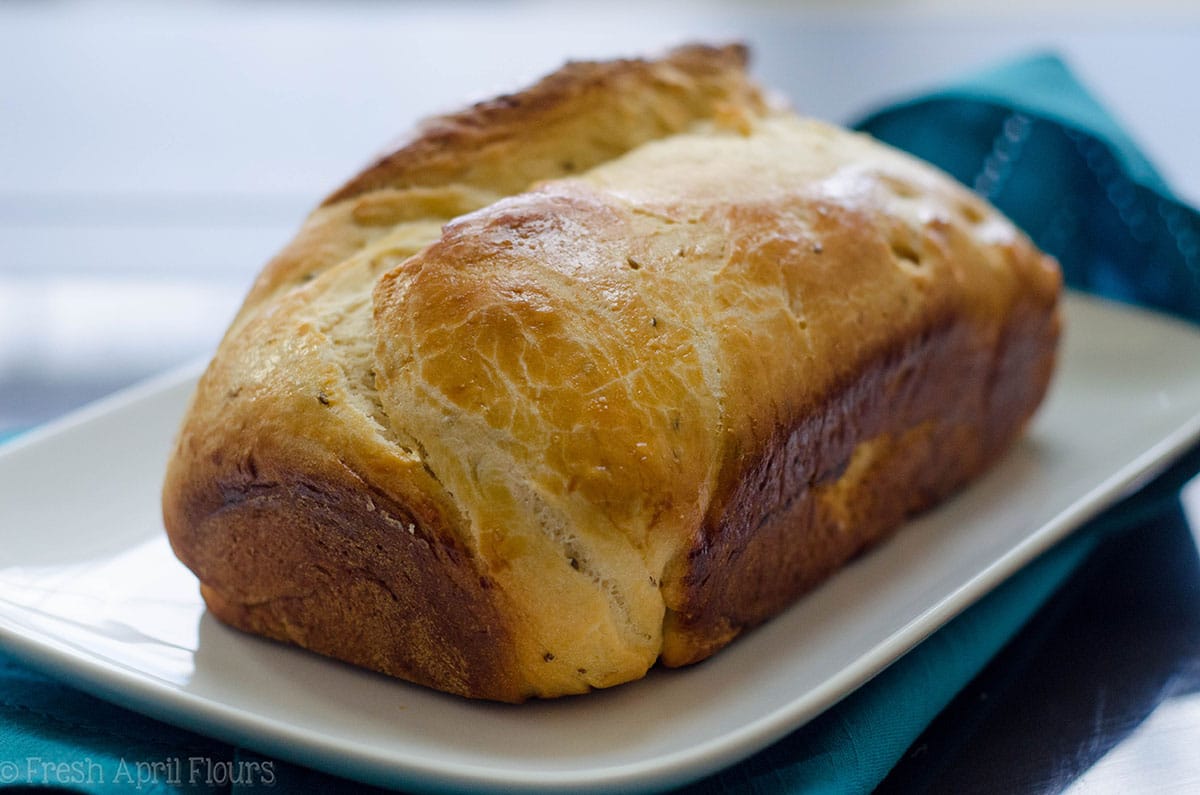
(598, 375)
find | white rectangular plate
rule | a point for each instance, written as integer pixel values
(90, 590)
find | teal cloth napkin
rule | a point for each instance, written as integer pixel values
(1034, 142)
(1030, 139)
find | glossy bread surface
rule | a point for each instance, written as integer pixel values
(599, 374)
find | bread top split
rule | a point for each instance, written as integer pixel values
(560, 327)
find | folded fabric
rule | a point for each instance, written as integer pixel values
(1028, 137)
(1033, 142)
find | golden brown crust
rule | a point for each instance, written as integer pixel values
(351, 569)
(574, 119)
(509, 433)
(569, 122)
(925, 418)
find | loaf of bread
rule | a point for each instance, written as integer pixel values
(599, 375)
